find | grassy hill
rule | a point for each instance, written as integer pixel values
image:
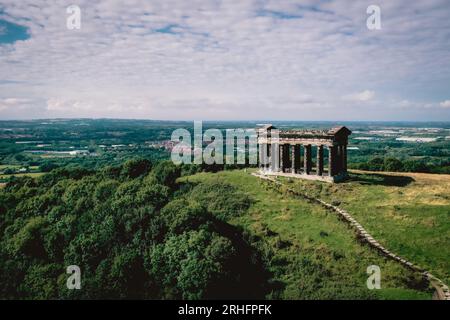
(313, 255)
(136, 233)
(407, 212)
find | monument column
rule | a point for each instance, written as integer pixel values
(344, 158)
(280, 158)
(274, 157)
(293, 158)
(331, 160)
(307, 158)
(262, 156)
(286, 163)
(297, 160)
(338, 160)
(285, 157)
(319, 160)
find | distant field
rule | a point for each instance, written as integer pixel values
(316, 256)
(12, 166)
(15, 166)
(29, 174)
(409, 213)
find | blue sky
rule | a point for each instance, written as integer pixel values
(229, 60)
(11, 32)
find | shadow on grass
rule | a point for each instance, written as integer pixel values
(381, 179)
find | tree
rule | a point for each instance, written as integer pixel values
(9, 171)
(105, 190)
(416, 166)
(186, 266)
(393, 164)
(135, 168)
(376, 164)
(47, 166)
(166, 173)
(153, 194)
(30, 239)
(181, 215)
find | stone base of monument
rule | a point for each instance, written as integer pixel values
(312, 176)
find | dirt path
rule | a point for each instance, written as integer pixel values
(442, 290)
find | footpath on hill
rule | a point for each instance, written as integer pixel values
(442, 290)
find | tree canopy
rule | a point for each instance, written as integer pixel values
(133, 231)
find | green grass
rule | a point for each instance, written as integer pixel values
(313, 255)
(407, 213)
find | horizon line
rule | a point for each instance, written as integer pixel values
(217, 120)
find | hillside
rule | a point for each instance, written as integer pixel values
(406, 212)
(133, 233)
(154, 231)
(318, 256)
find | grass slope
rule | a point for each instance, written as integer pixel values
(312, 254)
(409, 213)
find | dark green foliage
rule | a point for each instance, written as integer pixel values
(166, 173)
(136, 167)
(63, 173)
(47, 166)
(133, 232)
(181, 215)
(191, 264)
(392, 164)
(30, 239)
(398, 165)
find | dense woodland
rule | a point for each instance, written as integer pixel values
(133, 231)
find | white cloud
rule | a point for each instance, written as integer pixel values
(445, 104)
(232, 59)
(58, 104)
(13, 103)
(365, 95)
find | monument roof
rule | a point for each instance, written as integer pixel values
(336, 131)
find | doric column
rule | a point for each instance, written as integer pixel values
(286, 162)
(337, 162)
(293, 158)
(331, 160)
(282, 158)
(319, 160)
(344, 158)
(297, 159)
(307, 158)
(274, 157)
(262, 156)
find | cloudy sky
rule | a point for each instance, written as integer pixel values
(234, 59)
